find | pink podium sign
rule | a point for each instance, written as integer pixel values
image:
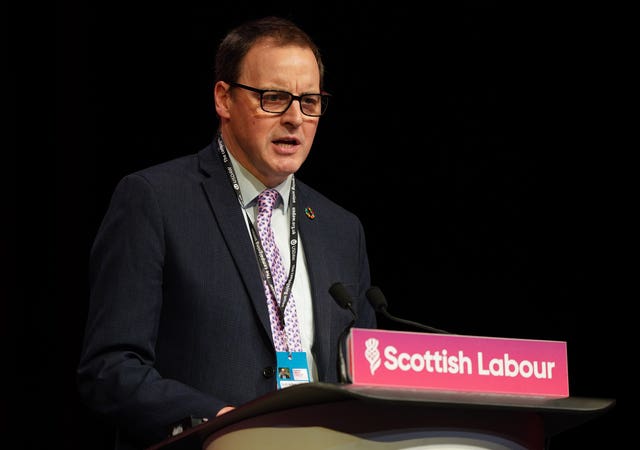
(448, 362)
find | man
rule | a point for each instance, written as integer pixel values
(188, 316)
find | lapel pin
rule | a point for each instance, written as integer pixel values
(309, 212)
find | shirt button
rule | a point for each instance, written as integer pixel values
(268, 372)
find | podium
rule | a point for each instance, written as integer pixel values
(318, 416)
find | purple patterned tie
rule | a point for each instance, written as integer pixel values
(266, 202)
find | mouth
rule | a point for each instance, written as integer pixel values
(287, 141)
(287, 144)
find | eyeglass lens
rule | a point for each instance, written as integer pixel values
(278, 102)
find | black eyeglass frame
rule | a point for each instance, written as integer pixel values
(324, 99)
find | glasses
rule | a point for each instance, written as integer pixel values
(277, 102)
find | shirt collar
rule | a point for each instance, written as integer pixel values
(250, 186)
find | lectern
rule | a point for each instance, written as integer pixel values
(320, 416)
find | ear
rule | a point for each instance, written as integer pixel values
(221, 96)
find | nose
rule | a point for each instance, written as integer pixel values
(293, 114)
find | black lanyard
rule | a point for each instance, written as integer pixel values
(257, 245)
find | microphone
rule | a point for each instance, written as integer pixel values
(379, 303)
(342, 297)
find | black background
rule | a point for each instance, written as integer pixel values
(465, 138)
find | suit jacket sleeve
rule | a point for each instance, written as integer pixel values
(126, 301)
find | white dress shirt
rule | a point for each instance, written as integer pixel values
(250, 187)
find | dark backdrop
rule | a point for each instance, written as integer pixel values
(470, 124)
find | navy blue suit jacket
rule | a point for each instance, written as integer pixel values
(177, 323)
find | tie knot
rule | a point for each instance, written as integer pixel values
(266, 201)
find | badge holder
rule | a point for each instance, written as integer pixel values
(292, 368)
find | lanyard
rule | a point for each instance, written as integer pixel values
(257, 245)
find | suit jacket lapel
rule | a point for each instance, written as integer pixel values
(311, 235)
(230, 219)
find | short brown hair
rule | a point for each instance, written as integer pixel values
(239, 41)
